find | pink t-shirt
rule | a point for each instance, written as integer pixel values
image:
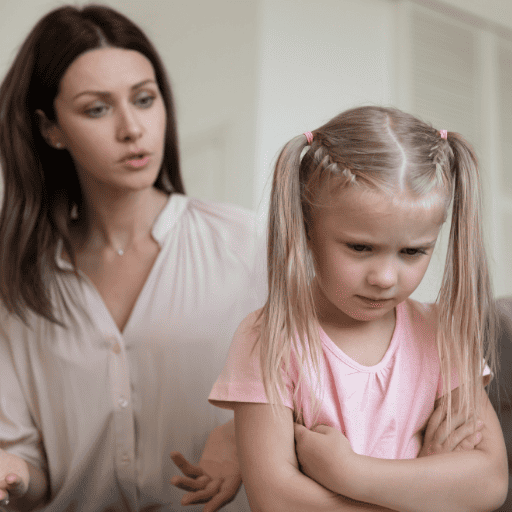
(381, 409)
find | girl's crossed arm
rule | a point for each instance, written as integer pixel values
(465, 481)
(270, 470)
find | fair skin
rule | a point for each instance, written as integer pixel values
(371, 251)
(111, 118)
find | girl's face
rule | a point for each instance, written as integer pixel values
(111, 118)
(371, 251)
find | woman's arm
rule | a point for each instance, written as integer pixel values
(270, 470)
(464, 481)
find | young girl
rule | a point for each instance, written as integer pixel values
(117, 292)
(340, 348)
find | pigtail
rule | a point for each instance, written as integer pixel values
(467, 321)
(289, 316)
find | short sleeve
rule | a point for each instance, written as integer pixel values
(486, 377)
(18, 434)
(241, 379)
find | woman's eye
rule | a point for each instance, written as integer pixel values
(145, 101)
(97, 111)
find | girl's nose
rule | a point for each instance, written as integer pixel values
(383, 275)
(129, 126)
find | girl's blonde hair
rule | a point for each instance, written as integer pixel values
(388, 150)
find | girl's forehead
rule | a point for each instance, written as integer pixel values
(357, 205)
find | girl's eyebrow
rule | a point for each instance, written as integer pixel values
(108, 94)
(354, 240)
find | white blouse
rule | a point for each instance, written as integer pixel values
(101, 410)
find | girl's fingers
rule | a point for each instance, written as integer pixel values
(458, 421)
(434, 422)
(321, 429)
(469, 442)
(203, 495)
(190, 484)
(466, 431)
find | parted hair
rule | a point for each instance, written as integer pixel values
(387, 150)
(41, 187)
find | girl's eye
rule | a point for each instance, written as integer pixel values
(413, 252)
(359, 247)
(97, 111)
(145, 101)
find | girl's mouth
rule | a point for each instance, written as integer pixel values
(374, 302)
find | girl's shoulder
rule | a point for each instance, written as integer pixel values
(422, 315)
(250, 327)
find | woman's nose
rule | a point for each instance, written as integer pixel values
(129, 126)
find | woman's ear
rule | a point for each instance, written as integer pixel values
(49, 130)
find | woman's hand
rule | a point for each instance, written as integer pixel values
(211, 482)
(217, 478)
(464, 435)
(324, 454)
(14, 477)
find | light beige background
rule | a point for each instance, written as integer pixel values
(250, 74)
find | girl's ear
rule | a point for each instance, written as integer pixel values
(49, 130)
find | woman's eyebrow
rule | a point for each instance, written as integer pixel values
(107, 94)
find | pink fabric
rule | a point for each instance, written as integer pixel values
(309, 137)
(444, 134)
(381, 409)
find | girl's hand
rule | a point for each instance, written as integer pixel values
(14, 477)
(324, 455)
(464, 435)
(212, 482)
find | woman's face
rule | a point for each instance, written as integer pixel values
(111, 118)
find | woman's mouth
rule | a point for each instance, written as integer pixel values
(137, 161)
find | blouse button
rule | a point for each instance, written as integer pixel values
(116, 348)
(122, 402)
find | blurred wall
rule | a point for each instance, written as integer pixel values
(250, 74)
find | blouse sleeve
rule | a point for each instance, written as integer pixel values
(18, 433)
(241, 380)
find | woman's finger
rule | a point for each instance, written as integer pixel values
(226, 494)
(190, 484)
(185, 466)
(203, 495)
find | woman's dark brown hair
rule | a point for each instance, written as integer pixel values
(40, 183)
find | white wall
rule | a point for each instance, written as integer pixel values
(497, 12)
(316, 60)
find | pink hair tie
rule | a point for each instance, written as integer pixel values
(309, 137)
(444, 134)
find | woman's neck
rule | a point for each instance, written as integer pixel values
(118, 222)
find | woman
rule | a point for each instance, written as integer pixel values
(120, 295)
